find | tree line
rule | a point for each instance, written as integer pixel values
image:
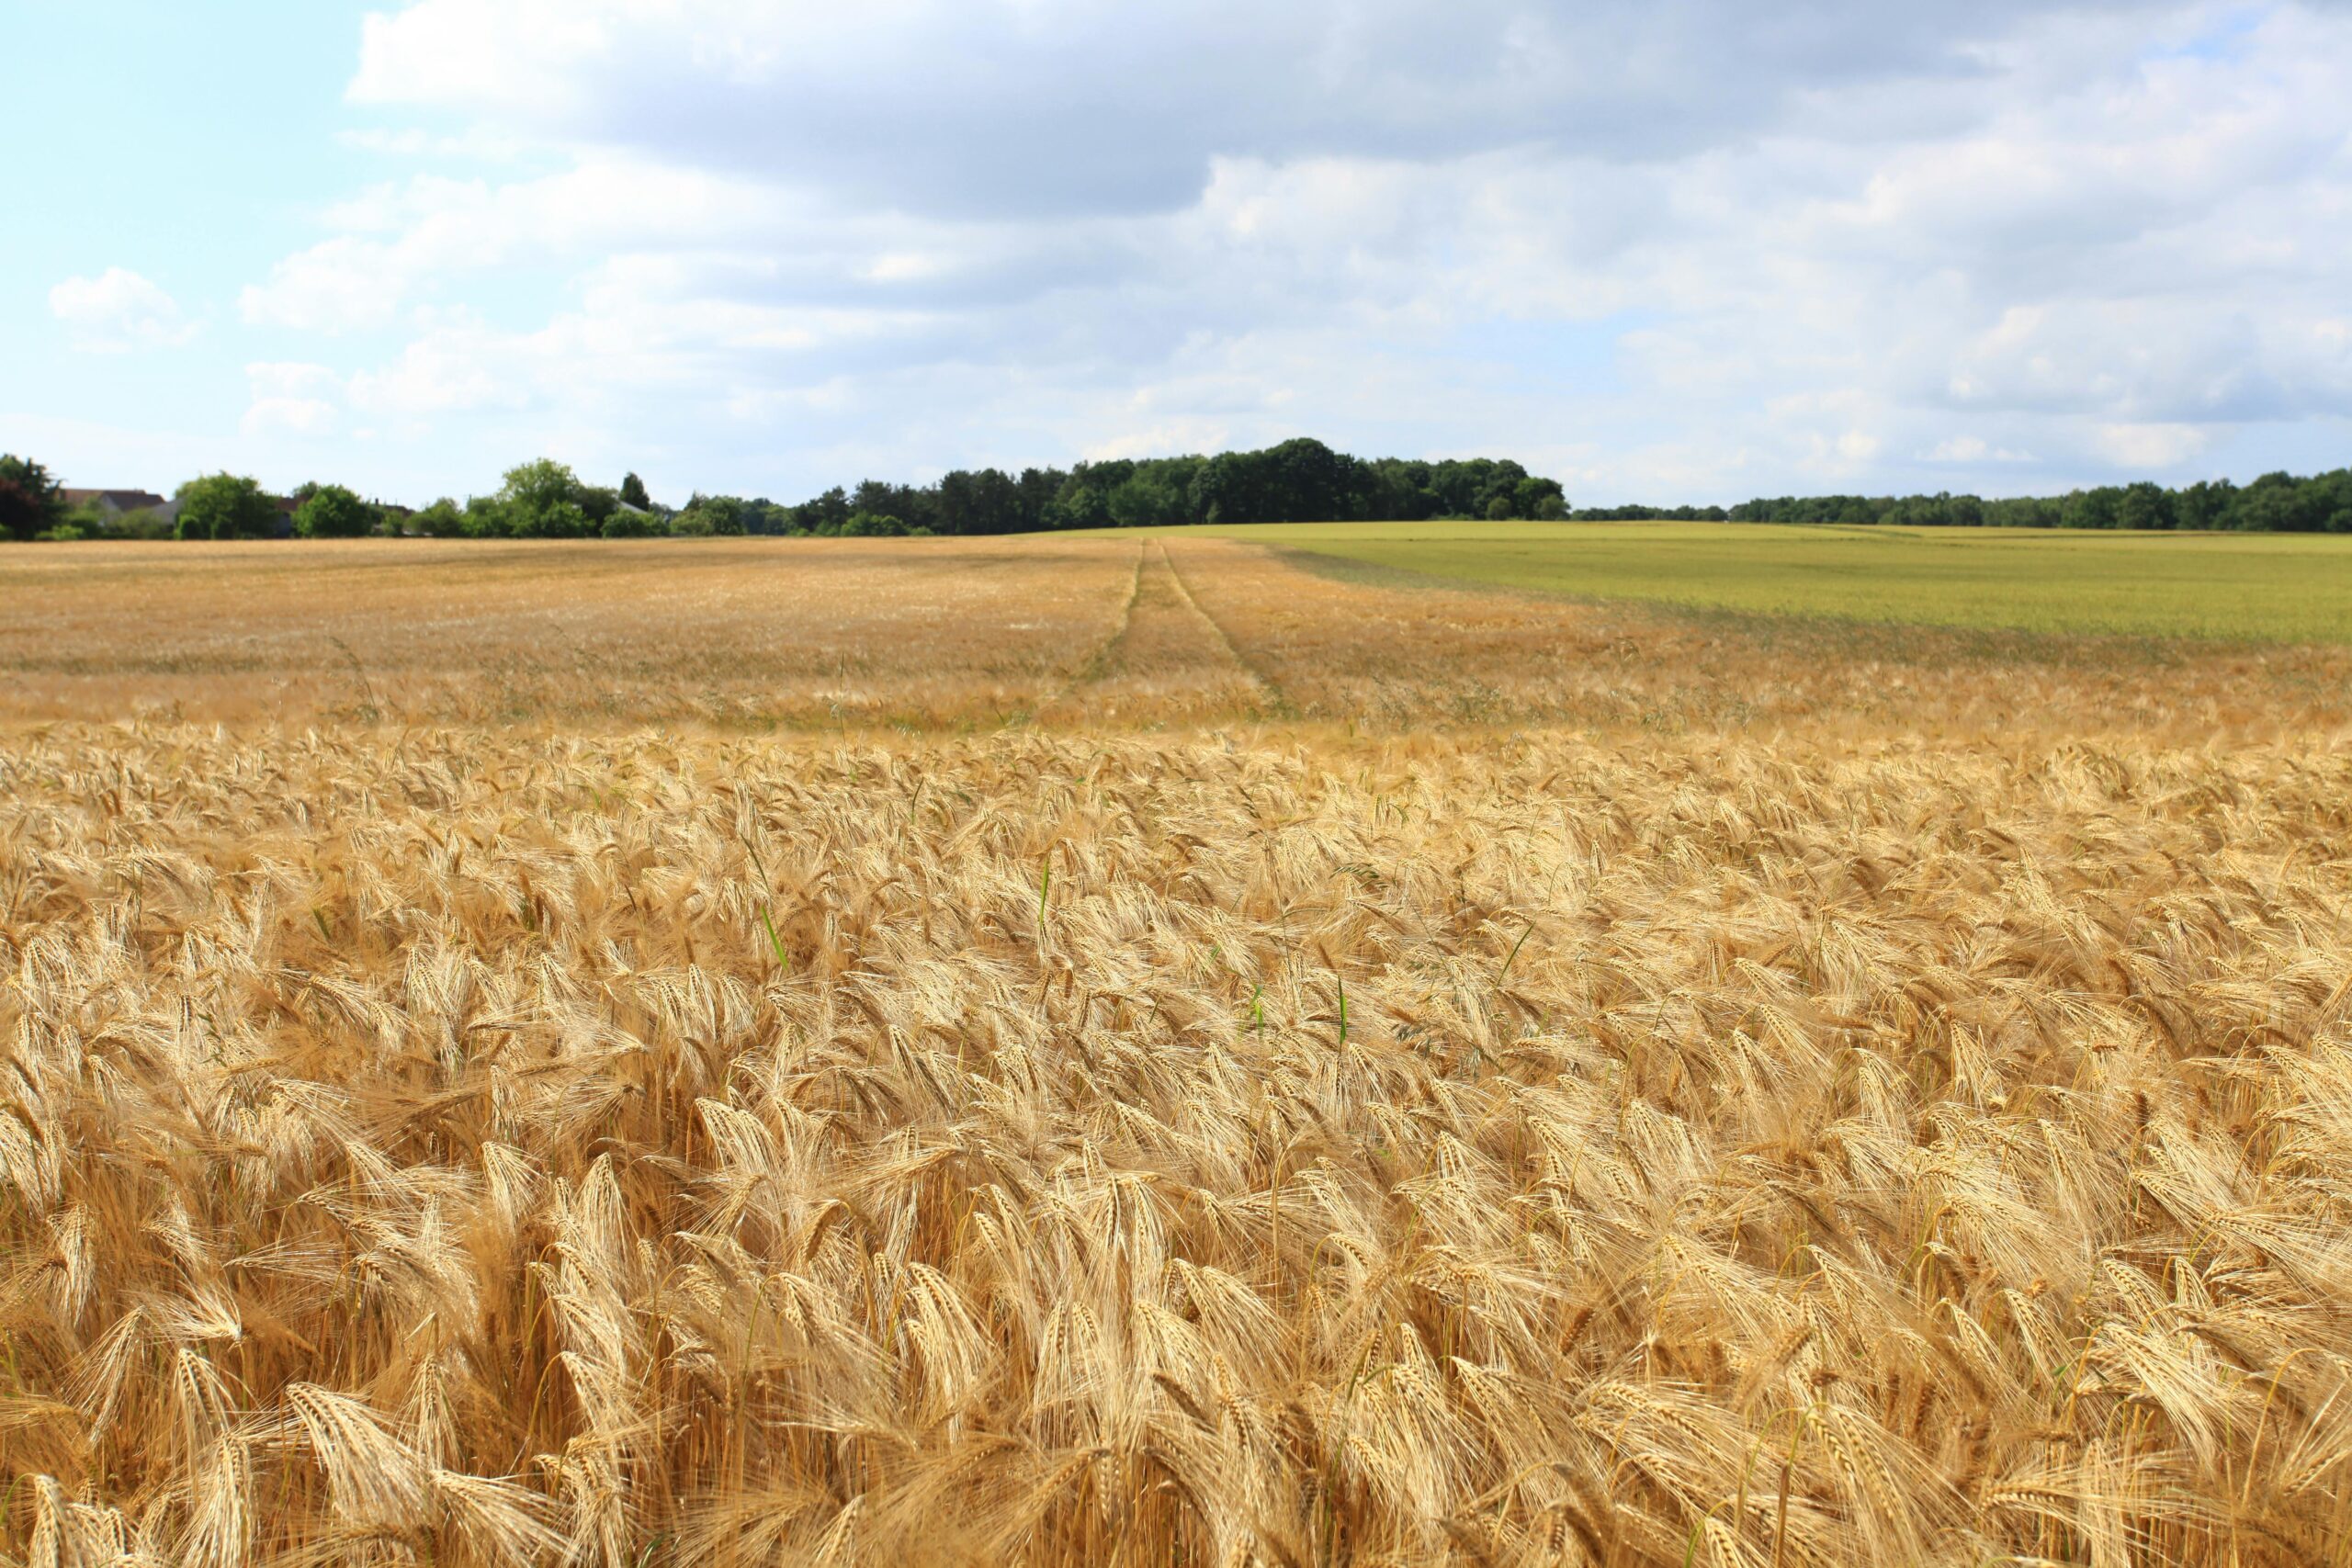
(2275, 504)
(1299, 480)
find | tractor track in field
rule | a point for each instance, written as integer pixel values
(1276, 702)
(1168, 658)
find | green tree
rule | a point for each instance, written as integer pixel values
(565, 520)
(226, 506)
(485, 517)
(148, 522)
(2280, 502)
(1537, 497)
(1153, 496)
(442, 520)
(331, 512)
(1080, 505)
(826, 513)
(2331, 496)
(724, 513)
(984, 502)
(30, 503)
(2092, 508)
(633, 493)
(597, 503)
(626, 525)
(82, 522)
(2205, 504)
(2143, 505)
(541, 501)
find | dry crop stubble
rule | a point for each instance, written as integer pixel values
(1848, 1135)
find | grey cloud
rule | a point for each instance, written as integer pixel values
(969, 109)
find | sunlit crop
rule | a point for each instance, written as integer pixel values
(1742, 1125)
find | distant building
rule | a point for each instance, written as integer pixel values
(110, 504)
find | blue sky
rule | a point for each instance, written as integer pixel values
(1675, 250)
(152, 137)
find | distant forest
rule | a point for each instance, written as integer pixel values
(1306, 481)
(2275, 504)
(1298, 482)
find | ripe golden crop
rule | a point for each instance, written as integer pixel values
(1760, 1123)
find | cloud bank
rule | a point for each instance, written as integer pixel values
(1693, 250)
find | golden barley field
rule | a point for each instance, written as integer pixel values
(1075, 1051)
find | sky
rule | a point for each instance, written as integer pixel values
(1664, 250)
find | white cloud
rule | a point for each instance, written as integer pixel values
(292, 399)
(1973, 449)
(2156, 446)
(521, 53)
(400, 241)
(478, 144)
(1689, 249)
(119, 311)
(458, 366)
(338, 285)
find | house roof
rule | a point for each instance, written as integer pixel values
(120, 499)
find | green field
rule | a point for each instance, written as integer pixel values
(2234, 587)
